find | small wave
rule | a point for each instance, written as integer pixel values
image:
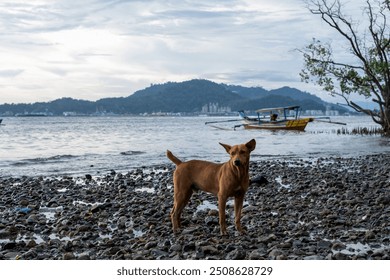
(132, 153)
(52, 158)
(43, 160)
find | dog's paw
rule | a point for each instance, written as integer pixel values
(240, 230)
(224, 233)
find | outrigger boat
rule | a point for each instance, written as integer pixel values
(282, 118)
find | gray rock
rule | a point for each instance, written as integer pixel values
(324, 244)
(68, 256)
(4, 234)
(338, 246)
(122, 222)
(84, 256)
(151, 244)
(369, 235)
(208, 249)
(175, 248)
(32, 219)
(158, 254)
(211, 220)
(340, 256)
(257, 254)
(313, 257)
(238, 254)
(12, 255)
(273, 254)
(9, 245)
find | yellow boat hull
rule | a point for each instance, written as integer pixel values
(298, 125)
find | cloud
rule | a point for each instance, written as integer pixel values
(10, 73)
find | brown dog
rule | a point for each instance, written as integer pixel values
(223, 180)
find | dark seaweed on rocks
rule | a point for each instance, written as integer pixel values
(323, 208)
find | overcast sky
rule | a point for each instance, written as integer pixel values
(91, 49)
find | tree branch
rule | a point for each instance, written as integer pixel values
(370, 74)
(375, 116)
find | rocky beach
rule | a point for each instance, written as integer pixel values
(310, 209)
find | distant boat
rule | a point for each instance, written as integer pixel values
(31, 115)
(282, 118)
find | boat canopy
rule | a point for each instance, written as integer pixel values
(264, 110)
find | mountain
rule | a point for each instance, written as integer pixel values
(247, 92)
(188, 96)
(173, 97)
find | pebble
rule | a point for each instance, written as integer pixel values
(329, 208)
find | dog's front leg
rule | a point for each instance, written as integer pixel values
(222, 214)
(238, 202)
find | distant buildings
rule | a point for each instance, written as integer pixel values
(328, 112)
(214, 108)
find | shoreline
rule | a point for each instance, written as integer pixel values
(322, 208)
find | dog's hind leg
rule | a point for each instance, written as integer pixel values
(180, 201)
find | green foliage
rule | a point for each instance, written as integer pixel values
(338, 78)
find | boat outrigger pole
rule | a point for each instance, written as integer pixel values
(329, 121)
(223, 121)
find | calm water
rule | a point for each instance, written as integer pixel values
(95, 145)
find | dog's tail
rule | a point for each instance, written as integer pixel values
(174, 159)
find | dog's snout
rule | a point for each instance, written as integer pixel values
(237, 162)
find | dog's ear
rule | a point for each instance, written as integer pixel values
(251, 145)
(227, 147)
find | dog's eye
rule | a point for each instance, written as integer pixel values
(233, 153)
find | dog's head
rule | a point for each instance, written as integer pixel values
(239, 154)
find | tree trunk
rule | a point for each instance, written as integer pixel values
(386, 121)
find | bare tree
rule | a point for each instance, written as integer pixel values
(369, 73)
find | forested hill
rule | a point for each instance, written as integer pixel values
(174, 97)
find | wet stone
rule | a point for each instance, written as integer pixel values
(209, 250)
(175, 248)
(257, 254)
(69, 256)
(150, 245)
(324, 244)
(159, 254)
(238, 254)
(11, 255)
(338, 246)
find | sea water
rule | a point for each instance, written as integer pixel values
(56, 146)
